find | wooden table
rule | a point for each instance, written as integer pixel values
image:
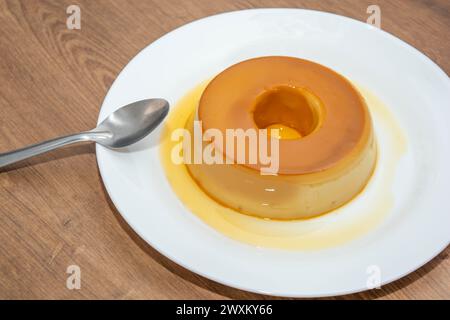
(54, 211)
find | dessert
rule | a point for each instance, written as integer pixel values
(327, 149)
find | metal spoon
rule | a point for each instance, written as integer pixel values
(123, 127)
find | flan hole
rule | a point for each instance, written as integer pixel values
(296, 112)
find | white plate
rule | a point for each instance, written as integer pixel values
(412, 85)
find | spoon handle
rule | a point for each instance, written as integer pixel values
(39, 148)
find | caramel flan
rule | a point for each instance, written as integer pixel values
(326, 144)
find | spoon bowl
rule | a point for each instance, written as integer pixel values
(131, 123)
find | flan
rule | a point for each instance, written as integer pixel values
(326, 144)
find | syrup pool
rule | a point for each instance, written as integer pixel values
(351, 221)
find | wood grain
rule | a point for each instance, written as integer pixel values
(54, 211)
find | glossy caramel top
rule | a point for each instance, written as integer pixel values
(329, 114)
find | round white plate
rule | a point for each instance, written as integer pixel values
(415, 89)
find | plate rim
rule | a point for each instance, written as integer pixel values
(101, 167)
